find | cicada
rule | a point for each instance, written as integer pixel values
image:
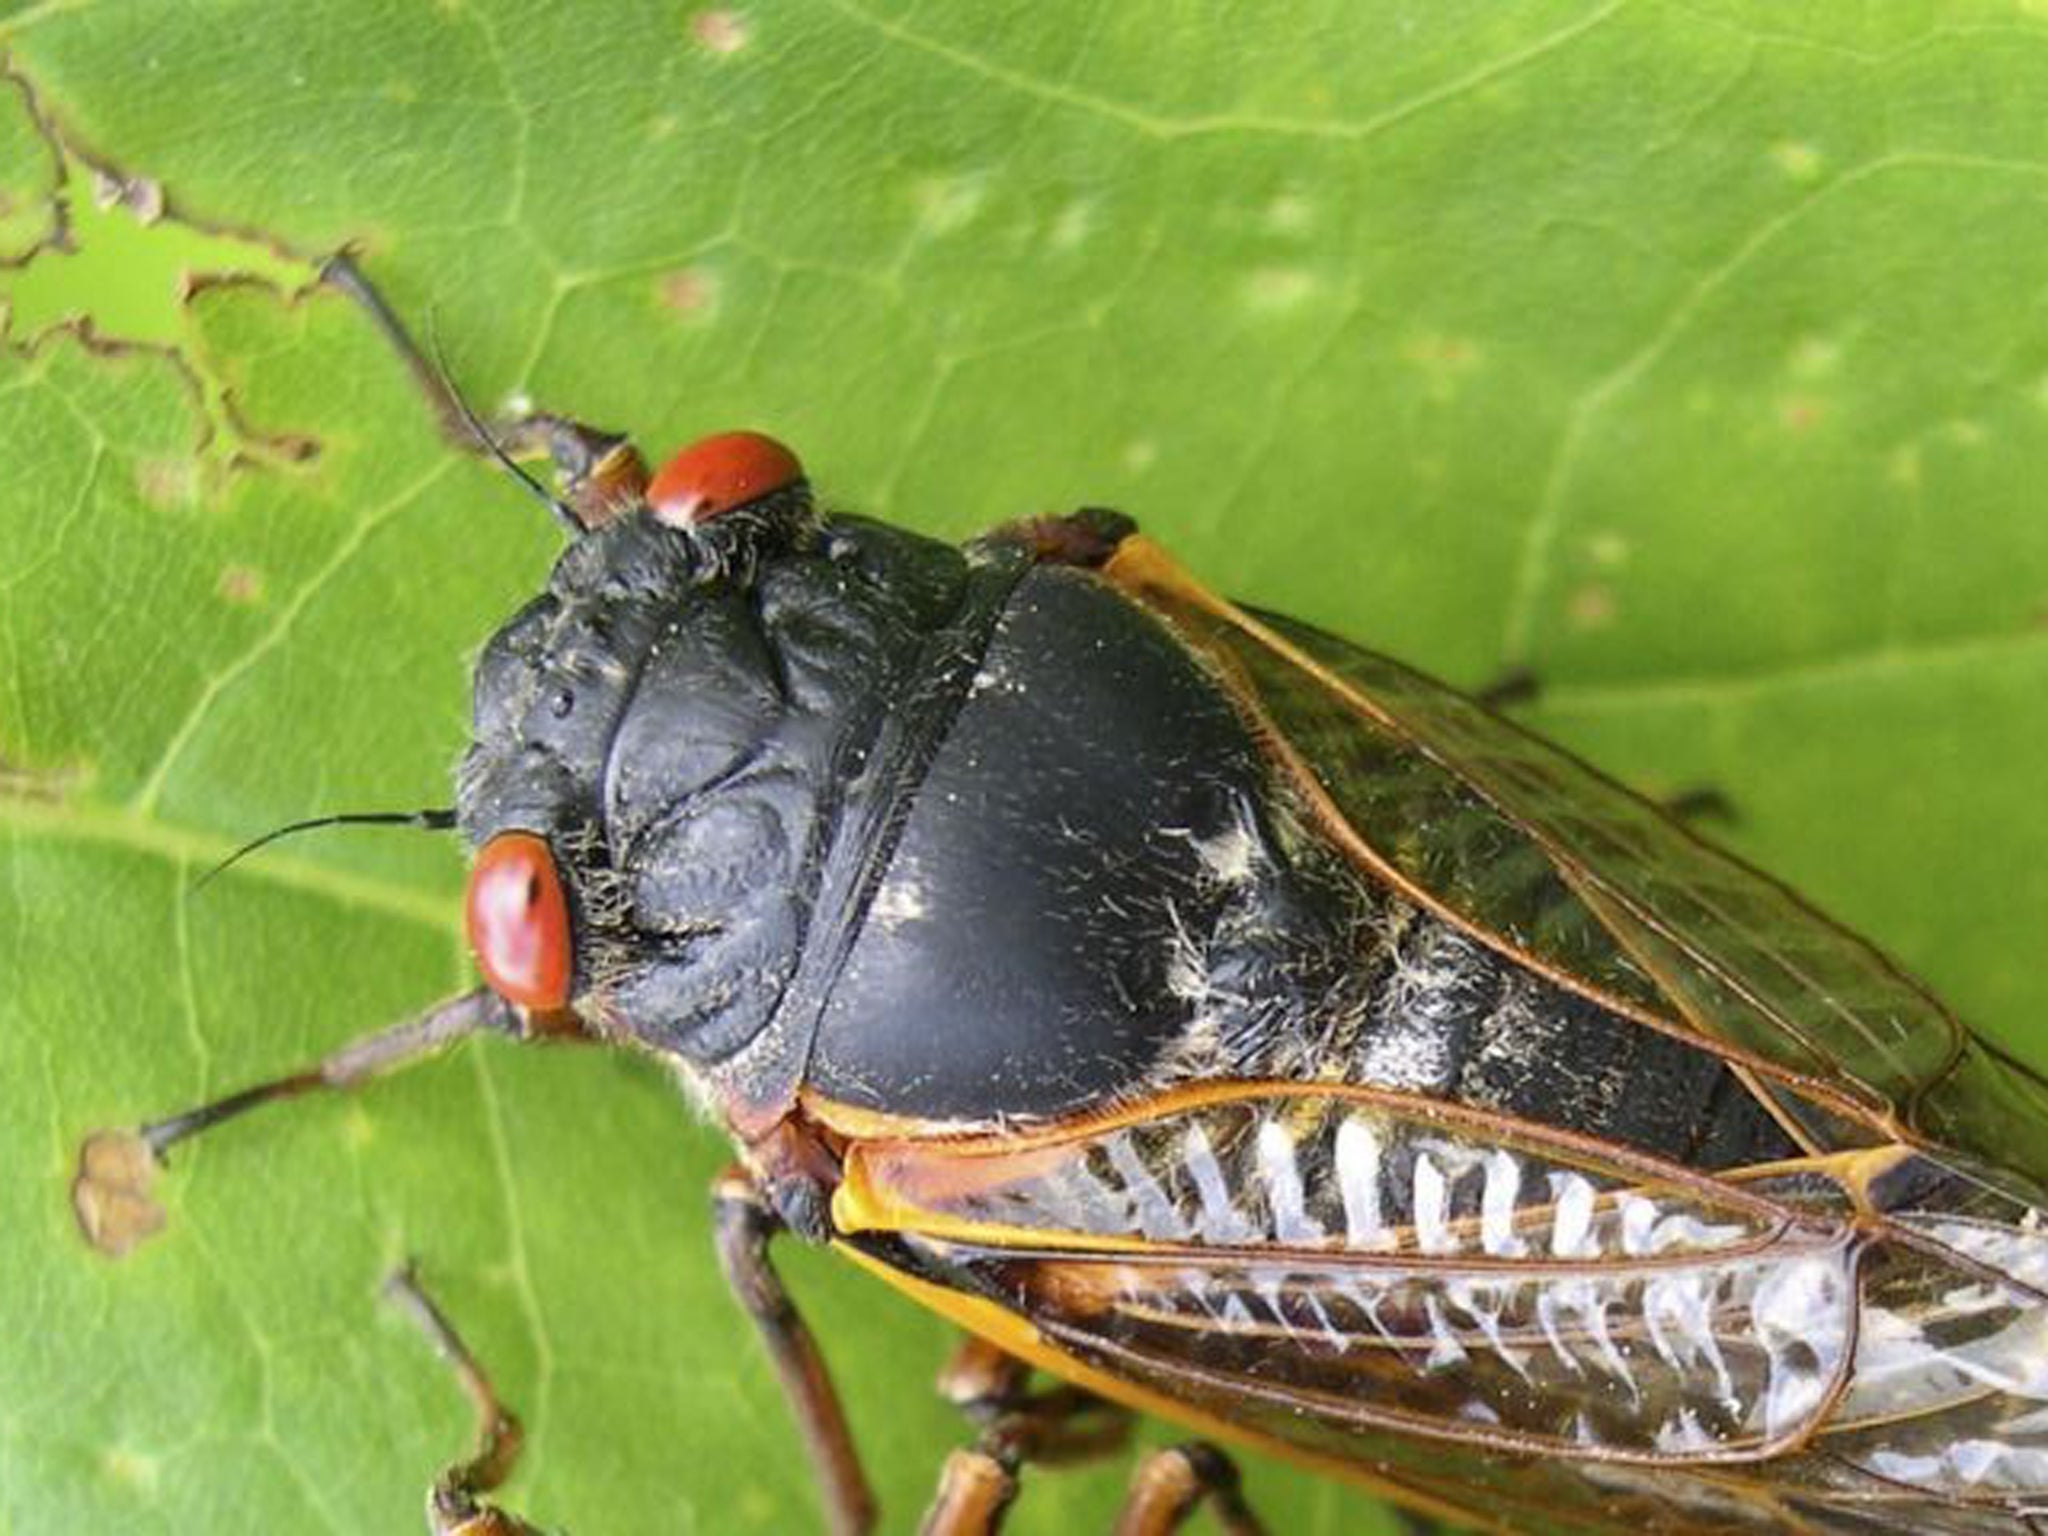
(1235, 1024)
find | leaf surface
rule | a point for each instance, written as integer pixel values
(1692, 356)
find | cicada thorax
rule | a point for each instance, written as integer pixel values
(1108, 884)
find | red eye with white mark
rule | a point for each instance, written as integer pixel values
(518, 921)
(715, 474)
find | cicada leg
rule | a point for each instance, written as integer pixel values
(743, 1223)
(1170, 1485)
(1697, 803)
(1063, 1424)
(1058, 1426)
(978, 1485)
(601, 472)
(1086, 537)
(1518, 686)
(455, 1502)
(1508, 689)
(976, 1489)
(110, 1194)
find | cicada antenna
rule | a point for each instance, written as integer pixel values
(434, 820)
(564, 513)
(459, 421)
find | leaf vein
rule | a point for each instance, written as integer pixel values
(1160, 125)
(1539, 538)
(1902, 660)
(146, 799)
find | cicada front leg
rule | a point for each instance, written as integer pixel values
(743, 1224)
(111, 1195)
(1049, 1427)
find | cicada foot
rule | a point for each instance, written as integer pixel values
(1699, 803)
(111, 1194)
(601, 473)
(1509, 689)
(456, 1503)
(743, 1224)
(1058, 1426)
(976, 1489)
(1518, 686)
(978, 1485)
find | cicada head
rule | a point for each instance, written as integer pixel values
(664, 738)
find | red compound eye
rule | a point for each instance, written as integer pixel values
(716, 474)
(518, 921)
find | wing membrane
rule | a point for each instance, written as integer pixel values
(1827, 1345)
(1371, 1260)
(1531, 849)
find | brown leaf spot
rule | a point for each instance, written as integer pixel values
(165, 483)
(49, 785)
(110, 1196)
(1591, 607)
(1801, 413)
(1434, 351)
(240, 585)
(719, 30)
(688, 291)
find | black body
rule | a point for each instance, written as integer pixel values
(954, 834)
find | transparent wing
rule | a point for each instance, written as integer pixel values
(1361, 1276)
(1373, 1261)
(1533, 851)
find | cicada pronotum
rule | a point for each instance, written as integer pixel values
(1234, 1024)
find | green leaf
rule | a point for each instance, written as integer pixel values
(28, 177)
(1693, 356)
